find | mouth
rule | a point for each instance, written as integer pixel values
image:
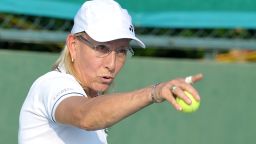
(107, 79)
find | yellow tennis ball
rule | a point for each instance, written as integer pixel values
(186, 107)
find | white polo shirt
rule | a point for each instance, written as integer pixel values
(37, 123)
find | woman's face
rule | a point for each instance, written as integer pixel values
(97, 64)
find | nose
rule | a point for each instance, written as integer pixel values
(110, 61)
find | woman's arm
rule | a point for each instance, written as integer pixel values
(104, 111)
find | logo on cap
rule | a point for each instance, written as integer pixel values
(131, 28)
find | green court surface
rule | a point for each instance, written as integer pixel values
(226, 116)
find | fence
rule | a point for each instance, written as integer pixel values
(166, 24)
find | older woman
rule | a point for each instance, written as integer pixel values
(68, 105)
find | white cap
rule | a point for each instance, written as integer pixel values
(104, 20)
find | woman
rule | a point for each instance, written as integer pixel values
(68, 104)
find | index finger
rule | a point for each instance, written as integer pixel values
(197, 77)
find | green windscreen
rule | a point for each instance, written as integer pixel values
(152, 13)
(226, 115)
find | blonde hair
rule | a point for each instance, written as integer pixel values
(65, 60)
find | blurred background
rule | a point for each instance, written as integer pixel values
(216, 38)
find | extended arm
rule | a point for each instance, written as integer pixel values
(103, 111)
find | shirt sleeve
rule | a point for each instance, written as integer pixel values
(57, 89)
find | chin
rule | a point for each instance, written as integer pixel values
(102, 88)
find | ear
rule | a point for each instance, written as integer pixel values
(71, 44)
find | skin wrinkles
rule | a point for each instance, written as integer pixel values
(97, 73)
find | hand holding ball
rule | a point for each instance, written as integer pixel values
(186, 107)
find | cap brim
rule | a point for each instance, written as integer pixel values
(101, 38)
(139, 42)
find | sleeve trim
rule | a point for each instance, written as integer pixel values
(58, 101)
